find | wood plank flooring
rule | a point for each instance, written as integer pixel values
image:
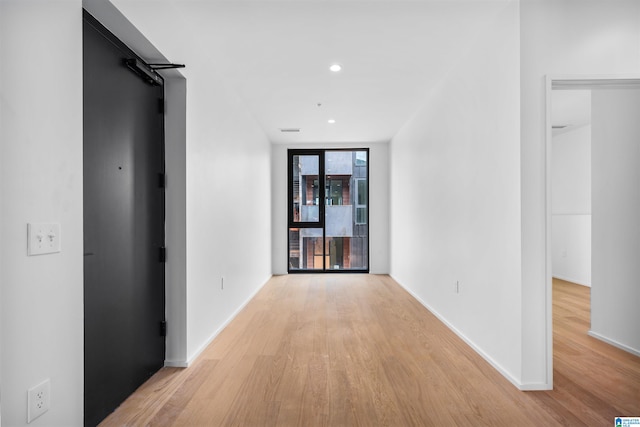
(357, 350)
(593, 381)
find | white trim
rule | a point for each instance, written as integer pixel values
(470, 343)
(588, 81)
(535, 387)
(226, 323)
(548, 289)
(614, 343)
(175, 364)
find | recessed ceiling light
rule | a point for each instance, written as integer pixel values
(335, 68)
(332, 121)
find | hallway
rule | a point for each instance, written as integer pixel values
(341, 350)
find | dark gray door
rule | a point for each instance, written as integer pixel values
(123, 224)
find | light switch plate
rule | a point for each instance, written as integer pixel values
(43, 238)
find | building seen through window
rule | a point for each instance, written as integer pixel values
(328, 227)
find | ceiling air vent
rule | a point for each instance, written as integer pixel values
(289, 129)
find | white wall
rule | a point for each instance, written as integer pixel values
(228, 199)
(571, 205)
(41, 166)
(378, 204)
(558, 37)
(615, 294)
(228, 207)
(455, 193)
(176, 219)
(571, 248)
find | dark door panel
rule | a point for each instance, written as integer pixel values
(123, 224)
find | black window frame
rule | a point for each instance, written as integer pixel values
(291, 223)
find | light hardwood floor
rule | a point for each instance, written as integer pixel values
(348, 350)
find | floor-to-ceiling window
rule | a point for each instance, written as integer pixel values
(328, 210)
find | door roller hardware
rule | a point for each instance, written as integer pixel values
(145, 72)
(165, 66)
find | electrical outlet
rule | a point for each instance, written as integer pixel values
(38, 400)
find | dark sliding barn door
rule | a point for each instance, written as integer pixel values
(123, 224)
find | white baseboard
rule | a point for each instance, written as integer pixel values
(225, 324)
(614, 343)
(176, 364)
(569, 279)
(534, 387)
(470, 343)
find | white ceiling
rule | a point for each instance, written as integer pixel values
(276, 57)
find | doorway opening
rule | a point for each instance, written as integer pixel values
(591, 205)
(328, 210)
